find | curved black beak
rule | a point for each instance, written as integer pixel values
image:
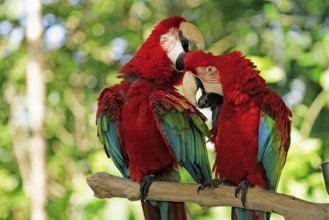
(208, 99)
(180, 62)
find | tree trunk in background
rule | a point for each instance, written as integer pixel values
(35, 85)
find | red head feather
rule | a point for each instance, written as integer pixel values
(237, 75)
(151, 60)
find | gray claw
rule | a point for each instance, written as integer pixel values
(243, 187)
(145, 186)
(214, 183)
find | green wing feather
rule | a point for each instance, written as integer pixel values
(107, 133)
(185, 130)
(107, 129)
(271, 152)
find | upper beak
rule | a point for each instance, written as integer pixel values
(190, 87)
(192, 33)
(191, 84)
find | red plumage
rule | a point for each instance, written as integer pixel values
(132, 106)
(109, 104)
(145, 158)
(238, 161)
(151, 61)
(146, 71)
(243, 91)
(236, 132)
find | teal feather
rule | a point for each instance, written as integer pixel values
(189, 167)
(108, 136)
(190, 139)
(188, 153)
(242, 213)
(268, 152)
(197, 149)
(269, 156)
(184, 130)
(184, 152)
(192, 154)
(214, 115)
(164, 206)
(172, 138)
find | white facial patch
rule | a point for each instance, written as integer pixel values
(213, 87)
(208, 74)
(171, 44)
(210, 79)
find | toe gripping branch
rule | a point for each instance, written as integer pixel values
(214, 183)
(145, 186)
(243, 187)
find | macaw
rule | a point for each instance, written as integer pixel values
(146, 126)
(251, 123)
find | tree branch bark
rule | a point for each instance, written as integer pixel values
(291, 208)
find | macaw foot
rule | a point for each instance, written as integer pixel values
(145, 185)
(214, 183)
(243, 187)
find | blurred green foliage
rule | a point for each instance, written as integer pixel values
(86, 42)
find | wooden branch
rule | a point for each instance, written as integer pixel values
(291, 208)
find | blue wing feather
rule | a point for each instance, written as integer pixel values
(269, 151)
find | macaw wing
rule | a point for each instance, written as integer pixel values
(109, 129)
(183, 129)
(273, 139)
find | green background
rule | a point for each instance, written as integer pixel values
(86, 42)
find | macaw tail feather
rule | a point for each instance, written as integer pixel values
(164, 210)
(244, 214)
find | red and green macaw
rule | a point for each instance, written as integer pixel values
(251, 123)
(146, 126)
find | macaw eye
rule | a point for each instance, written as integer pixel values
(164, 37)
(211, 69)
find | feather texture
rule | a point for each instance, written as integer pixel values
(251, 129)
(183, 129)
(107, 129)
(150, 131)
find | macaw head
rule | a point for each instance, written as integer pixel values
(225, 78)
(161, 56)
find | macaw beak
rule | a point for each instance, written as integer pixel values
(192, 34)
(180, 61)
(190, 87)
(191, 84)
